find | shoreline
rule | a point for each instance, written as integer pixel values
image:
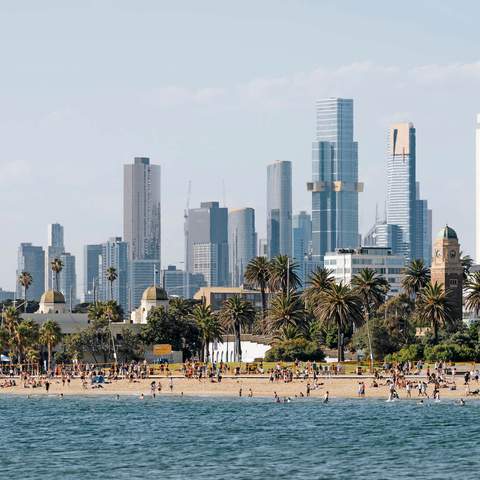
(338, 387)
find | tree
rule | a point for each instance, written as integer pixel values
(319, 280)
(434, 308)
(112, 275)
(25, 337)
(417, 275)
(257, 274)
(25, 279)
(57, 266)
(371, 289)
(236, 314)
(50, 336)
(467, 263)
(130, 345)
(283, 276)
(472, 293)
(161, 327)
(208, 325)
(11, 320)
(341, 307)
(286, 310)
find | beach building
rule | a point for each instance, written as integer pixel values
(216, 296)
(152, 297)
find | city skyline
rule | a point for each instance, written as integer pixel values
(84, 129)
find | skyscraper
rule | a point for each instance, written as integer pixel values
(55, 249)
(242, 242)
(279, 208)
(423, 229)
(141, 209)
(114, 254)
(206, 241)
(67, 280)
(91, 273)
(302, 244)
(142, 274)
(334, 185)
(401, 185)
(31, 259)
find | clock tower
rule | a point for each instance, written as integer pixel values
(447, 268)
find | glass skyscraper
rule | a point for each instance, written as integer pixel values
(91, 273)
(242, 242)
(334, 185)
(31, 259)
(67, 280)
(55, 249)
(279, 208)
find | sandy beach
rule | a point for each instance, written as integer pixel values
(338, 387)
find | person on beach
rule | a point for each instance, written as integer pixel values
(250, 393)
(308, 389)
(325, 398)
(408, 388)
(171, 384)
(47, 386)
(142, 397)
(240, 393)
(153, 388)
(361, 389)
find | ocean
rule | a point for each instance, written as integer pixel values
(222, 438)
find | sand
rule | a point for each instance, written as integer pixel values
(338, 387)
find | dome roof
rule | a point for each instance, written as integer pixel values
(154, 293)
(52, 296)
(447, 233)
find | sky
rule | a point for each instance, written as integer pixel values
(214, 91)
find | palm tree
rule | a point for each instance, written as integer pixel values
(209, 326)
(112, 275)
(50, 335)
(286, 310)
(25, 280)
(434, 307)
(283, 275)
(11, 319)
(339, 306)
(26, 336)
(235, 314)
(417, 275)
(371, 289)
(257, 274)
(467, 263)
(56, 266)
(319, 280)
(472, 296)
(31, 355)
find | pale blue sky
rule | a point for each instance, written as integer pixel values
(214, 91)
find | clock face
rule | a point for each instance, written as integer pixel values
(437, 253)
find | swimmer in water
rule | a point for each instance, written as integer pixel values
(118, 396)
(142, 397)
(462, 402)
(325, 398)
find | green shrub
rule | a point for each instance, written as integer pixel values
(412, 353)
(449, 352)
(297, 349)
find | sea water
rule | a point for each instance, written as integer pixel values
(246, 438)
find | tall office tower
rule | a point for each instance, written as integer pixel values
(142, 274)
(91, 274)
(384, 235)
(401, 185)
(55, 248)
(279, 208)
(262, 247)
(173, 281)
(67, 280)
(423, 229)
(302, 244)
(477, 190)
(141, 209)
(114, 254)
(206, 240)
(334, 184)
(242, 242)
(31, 259)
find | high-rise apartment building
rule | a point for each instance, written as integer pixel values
(142, 274)
(91, 272)
(384, 235)
(401, 185)
(174, 282)
(405, 208)
(334, 184)
(242, 242)
(302, 244)
(31, 259)
(141, 209)
(67, 280)
(262, 247)
(114, 254)
(279, 208)
(206, 241)
(55, 249)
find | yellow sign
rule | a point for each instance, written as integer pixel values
(162, 349)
